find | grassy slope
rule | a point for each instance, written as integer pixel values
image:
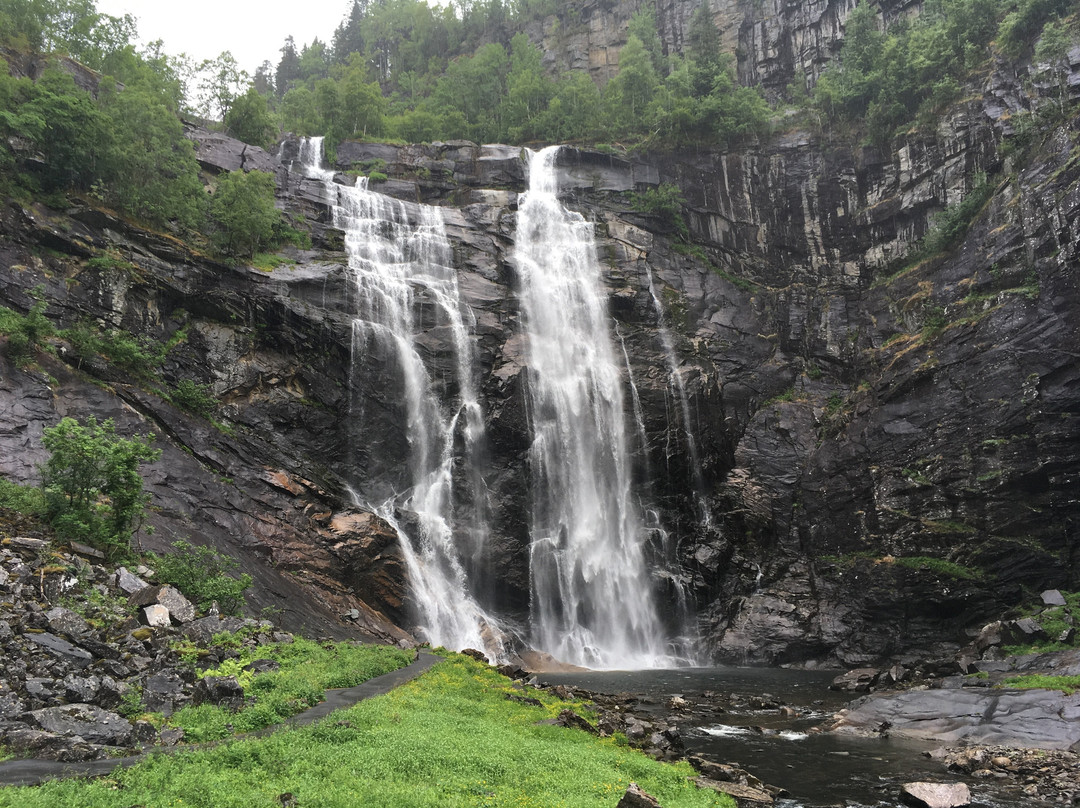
(448, 739)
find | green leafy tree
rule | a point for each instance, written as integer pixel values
(151, 172)
(221, 81)
(249, 120)
(243, 214)
(529, 91)
(299, 112)
(362, 104)
(66, 127)
(1052, 56)
(92, 485)
(628, 97)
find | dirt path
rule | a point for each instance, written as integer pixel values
(33, 772)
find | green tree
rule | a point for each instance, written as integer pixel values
(629, 96)
(529, 91)
(151, 171)
(288, 68)
(221, 81)
(362, 103)
(91, 482)
(249, 120)
(1052, 57)
(243, 213)
(66, 127)
(643, 26)
(299, 113)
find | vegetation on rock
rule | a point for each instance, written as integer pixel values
(93, 489)
(202, 574)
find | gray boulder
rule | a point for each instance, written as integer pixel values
(86, 721)
(859, 680)
(935, 795)
(66, 622)
(127, 582)
(636, 798)
(223, 691)
(180, 608)
(1053, 597)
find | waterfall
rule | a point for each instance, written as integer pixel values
(399, 261)
(679, 387)
(592, 600)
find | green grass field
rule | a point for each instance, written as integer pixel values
(450, 738)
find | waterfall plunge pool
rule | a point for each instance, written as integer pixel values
(732, 719)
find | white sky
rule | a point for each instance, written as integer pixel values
(253, 31)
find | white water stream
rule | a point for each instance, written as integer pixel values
(592, 598)
(399, 257)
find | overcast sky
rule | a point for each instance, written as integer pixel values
(252, 31)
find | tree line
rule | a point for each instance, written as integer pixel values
(401, 69)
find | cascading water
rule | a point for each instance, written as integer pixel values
(398, 257)
(592, 602)
(679, 388)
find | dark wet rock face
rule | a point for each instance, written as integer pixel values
(887, 458)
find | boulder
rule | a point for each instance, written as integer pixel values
(1027, 630)
(86, 721)
(1053, 597)
(935, 795)
(127, 582)
(155, 615)
(568, 718)
(636, 798)
(62, 649)
(859, 680)
(223, 691)
(81, 689)
(164, 692)
(180, 608)
(202, 631)
(744, 796)
(66, 622)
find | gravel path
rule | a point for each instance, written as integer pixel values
(31, 772)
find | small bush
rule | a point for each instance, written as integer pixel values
(202, 575)
(21, 498)
(25, 332)
(139, 356)
(665, 202)
(194, 398)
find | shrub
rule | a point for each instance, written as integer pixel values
(202, 575)
(666, 203)
(21, 498)
(25, 332)
(198, 399)
(91, 482)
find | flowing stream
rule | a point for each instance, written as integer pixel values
(592, 599)
(399, 261)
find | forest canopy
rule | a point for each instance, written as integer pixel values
(407, 70)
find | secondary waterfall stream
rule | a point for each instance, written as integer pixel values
(399, 257)
(592, 601)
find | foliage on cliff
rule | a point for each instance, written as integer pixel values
(889, 79)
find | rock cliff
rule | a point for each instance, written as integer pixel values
(848, 454)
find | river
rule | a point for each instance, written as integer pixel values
(732, 718)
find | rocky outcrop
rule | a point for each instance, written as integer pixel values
(843, 458)
(72, 682)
